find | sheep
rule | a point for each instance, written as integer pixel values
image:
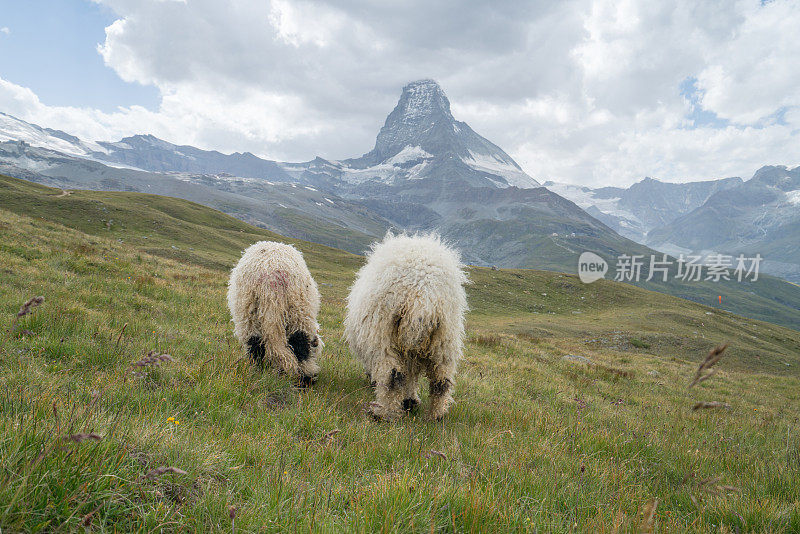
(405, 315)
(274, 303)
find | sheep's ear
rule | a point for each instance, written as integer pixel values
(300, 345)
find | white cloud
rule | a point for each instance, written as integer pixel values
(207, 117)
(751, 76)
(5, 30)
(587, 91)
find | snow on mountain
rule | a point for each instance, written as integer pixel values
(606, 208)
(499, 166)
(793, 197)
(409, 153)
(387, 173)
(582, 196)
(14, 129)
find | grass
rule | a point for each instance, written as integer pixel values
(535, 442)
(768, 299)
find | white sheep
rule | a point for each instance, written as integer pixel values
(274, 303)
(405, 315)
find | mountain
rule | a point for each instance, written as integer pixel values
(421, 139)
(293, 209)
(14, 129)
(730, 216)
(427, 171)
(150, 153)
(761, 215)
(634, 211)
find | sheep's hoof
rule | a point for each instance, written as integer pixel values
(373, 409)
(379, 413)
(410, 405)
(372, 383)
(437, 414)
(307, 381)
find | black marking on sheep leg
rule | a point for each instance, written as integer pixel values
(256, 350)
(396, 380)
(300, 345)
(410, 404)
(440, 388)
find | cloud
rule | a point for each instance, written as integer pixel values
(5, 30)
(597, 92)
(749, 78)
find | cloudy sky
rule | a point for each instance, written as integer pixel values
(588, 92)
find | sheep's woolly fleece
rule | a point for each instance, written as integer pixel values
(274, 303)
(405, 315)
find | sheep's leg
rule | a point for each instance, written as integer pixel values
(283, 358)
(277, 350)
(309, 371)
(442, 378)
(246, 327)
(300, 344)
(411, 386)
(389, 389)
(255, 348)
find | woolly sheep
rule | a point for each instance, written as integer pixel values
(274, 303)
(405, 315)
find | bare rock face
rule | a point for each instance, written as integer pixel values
(421, 139)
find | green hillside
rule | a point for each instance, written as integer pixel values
(168, 227)
(536, 442)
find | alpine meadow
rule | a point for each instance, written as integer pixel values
(128, 405)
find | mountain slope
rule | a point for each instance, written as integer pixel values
(14, 129)
(134, 218)
(295, 210)
(152, 154)
(648, 204)
(761, 215)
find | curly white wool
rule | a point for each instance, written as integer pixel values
(274, 303)
(405, 316)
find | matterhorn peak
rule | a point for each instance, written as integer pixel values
(421, 136)
(423, 99)
(423, 111)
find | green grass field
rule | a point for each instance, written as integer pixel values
(536, 442)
